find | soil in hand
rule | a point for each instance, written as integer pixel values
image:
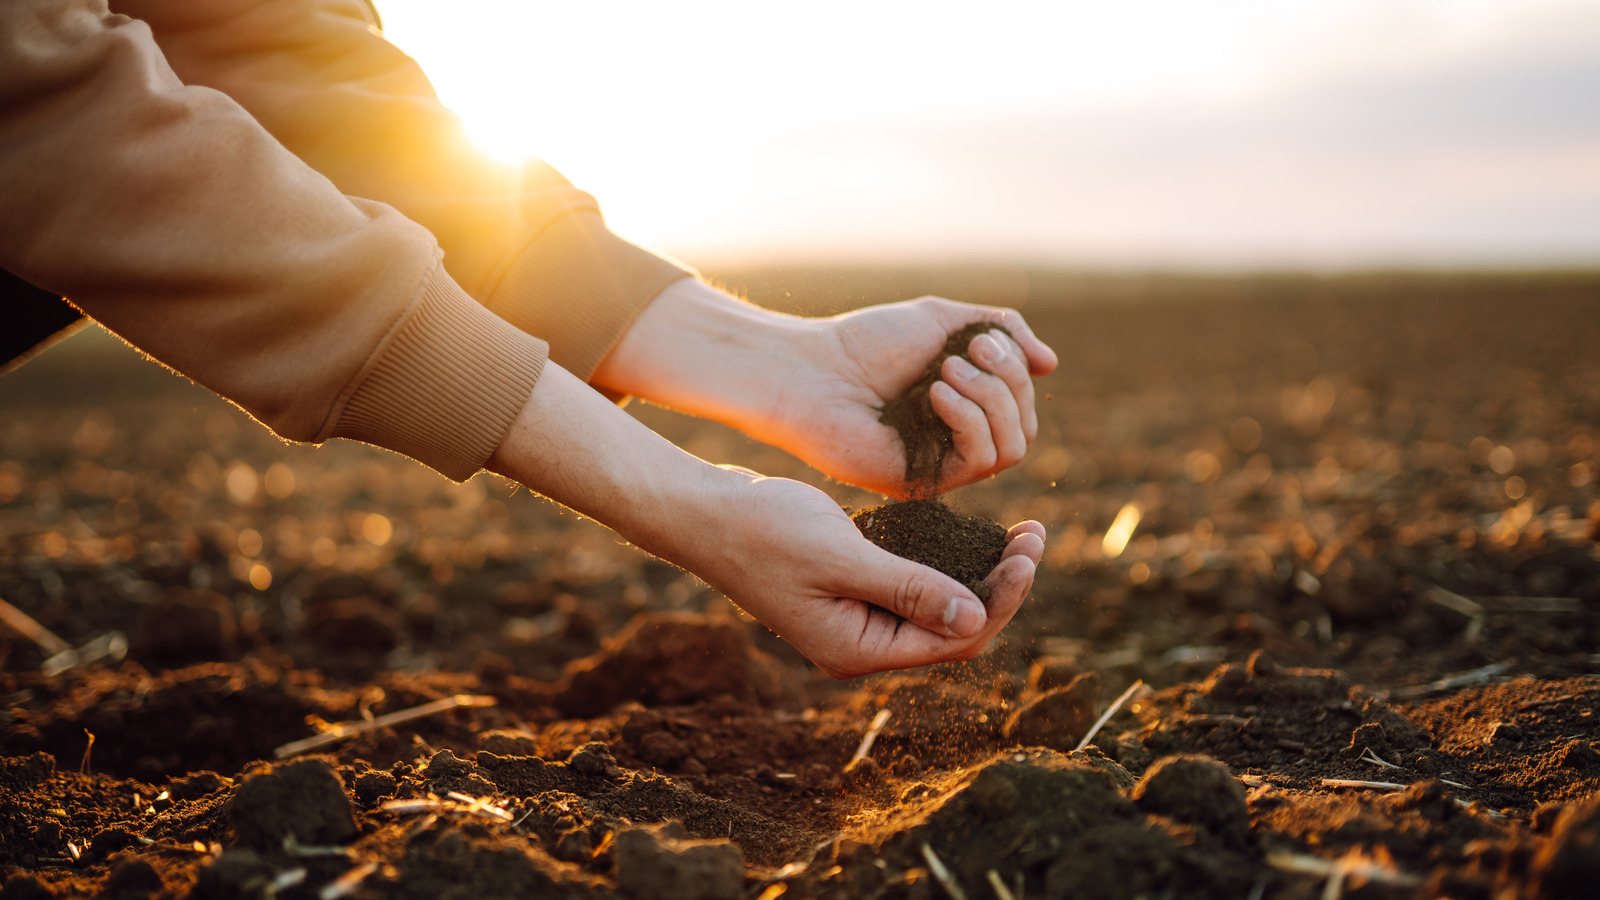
(927, 439)
(928, 532)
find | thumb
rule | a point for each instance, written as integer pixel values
(924, 596)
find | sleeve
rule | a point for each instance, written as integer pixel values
(319, 76)
(170, 216)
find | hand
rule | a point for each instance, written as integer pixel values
(789, 556)
(780, 549)
(829, 415)
(814, 387)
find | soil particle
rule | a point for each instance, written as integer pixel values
(1197, 790)
(925, 436)
(305, 799)
(1057, 719)
(966, 548)
(664, 863)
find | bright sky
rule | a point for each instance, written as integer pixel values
(1228, 132)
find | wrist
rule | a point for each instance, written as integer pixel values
(701, 351)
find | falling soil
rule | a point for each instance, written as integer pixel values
(966, 548)
(925, 436)
(1363, 590)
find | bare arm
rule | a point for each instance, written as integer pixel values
(780, 549)
(814, 386)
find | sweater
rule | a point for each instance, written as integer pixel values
(268, 197)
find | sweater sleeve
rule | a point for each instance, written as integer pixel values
(520, 239)
(169, 215)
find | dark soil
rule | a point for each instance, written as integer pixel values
(966, 548)
(925, 436)
(1364, 592)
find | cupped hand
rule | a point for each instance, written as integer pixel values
(827, 411)
(789, 556)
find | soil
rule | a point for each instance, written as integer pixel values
(1363, 592)
(925, 436)
(966, 548)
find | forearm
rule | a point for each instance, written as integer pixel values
(572, 445)
(698, 350)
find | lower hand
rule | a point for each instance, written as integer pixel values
(782, 550)
(787, 554)
(815, 387)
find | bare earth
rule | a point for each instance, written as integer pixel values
(1363, 591)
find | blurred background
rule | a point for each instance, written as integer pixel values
(1325, 134)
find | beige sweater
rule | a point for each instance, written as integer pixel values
(190, 177)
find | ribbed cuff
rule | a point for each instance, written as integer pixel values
(579, 287)
(446, 383)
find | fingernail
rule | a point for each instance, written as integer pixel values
(987, 350)
(964, 617)
(964, 369)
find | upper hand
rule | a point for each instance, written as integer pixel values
(828, 411)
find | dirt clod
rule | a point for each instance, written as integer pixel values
(663, 863)
(1195, 789)
(1057, 719)
(305, 799)
(966, 548)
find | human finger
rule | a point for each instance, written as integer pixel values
(1041, 359)
(1009, 584)
(969, 432)
(1002, 357)
(999, 407)
(1026, 527)
(1028, 544)
(924, 596)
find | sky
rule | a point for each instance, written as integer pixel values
(1224, 133)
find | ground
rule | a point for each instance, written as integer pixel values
(1361, 593)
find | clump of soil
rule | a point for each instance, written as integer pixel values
(927, 439)
(928, 532)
